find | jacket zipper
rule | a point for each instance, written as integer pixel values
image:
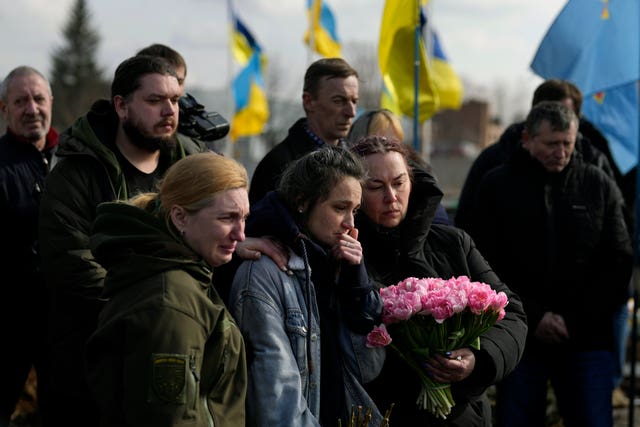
(207, 412)
(193, 399)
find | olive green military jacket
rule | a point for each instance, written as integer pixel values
(166, 351)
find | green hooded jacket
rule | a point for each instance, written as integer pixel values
(166, 351)
(85, 173)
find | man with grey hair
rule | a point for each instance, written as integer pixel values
(552, 227)
(25, 154)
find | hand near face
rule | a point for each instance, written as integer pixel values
(348, 248)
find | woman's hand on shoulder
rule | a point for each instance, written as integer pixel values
(254, 247)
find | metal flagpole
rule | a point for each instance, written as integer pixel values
(312, 34)
(229, 88)
(636, 286)
(635, 280)
(416, 77)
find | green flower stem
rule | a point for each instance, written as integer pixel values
(421, 337)
(434, 397)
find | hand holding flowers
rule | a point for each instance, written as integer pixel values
(426, 317)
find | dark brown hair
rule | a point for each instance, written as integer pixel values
(326, 67)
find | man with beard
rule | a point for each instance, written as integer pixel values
(25, 153)
(119, 148)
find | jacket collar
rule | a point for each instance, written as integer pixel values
(51, 139)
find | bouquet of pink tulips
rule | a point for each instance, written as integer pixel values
(422, 317)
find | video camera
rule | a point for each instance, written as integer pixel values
(198, 123)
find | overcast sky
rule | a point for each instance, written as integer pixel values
(489, 42)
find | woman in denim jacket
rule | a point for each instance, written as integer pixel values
(304, 328)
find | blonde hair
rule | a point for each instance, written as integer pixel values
(191, 183)
(376, 122)
(384, 121)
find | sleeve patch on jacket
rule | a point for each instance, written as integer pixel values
(168, 377)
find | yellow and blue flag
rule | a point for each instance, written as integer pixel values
(614, 112)
(323, 33)
(251, 106)
(593, 43)
(243, 44)
(396, 52)
(440, 86)
(445, 79)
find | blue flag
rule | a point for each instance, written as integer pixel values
(614, 112)
(593, 43)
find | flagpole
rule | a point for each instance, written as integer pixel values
(229, 87)
(416, 77)
(636, 280)
(635, 288)
(311, 45)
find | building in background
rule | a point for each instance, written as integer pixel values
(457, 136)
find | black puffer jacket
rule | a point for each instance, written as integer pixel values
(500, 152)
(560, 241)
(419, 248)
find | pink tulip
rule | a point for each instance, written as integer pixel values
(378, 337)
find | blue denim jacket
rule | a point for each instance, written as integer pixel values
(282, 336)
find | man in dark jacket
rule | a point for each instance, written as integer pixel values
(121, 147)
(552, 227)
(25, 155)
(588, 145)
(329, 99)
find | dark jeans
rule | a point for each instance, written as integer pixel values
(620, 336)
(581, 380)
